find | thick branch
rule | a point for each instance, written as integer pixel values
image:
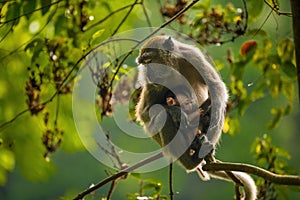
(295, 4)
(250, 169)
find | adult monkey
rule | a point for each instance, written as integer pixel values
(181, 87)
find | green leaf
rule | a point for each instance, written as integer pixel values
(60, 24)
(287, 110)
(154, 184)
(289, 69)
(45, 6)
(277, 115)
(204, 4)
(238, 69)
(35, 46)
(28, 7)
(13, 12)
(285, 50)
(288, 90)
(132, 196)
(243, 105)
(274, 59)
(7, 159)
(234, 125)
(96, 37)
(149, 186)
(282, 153)
(136, 175)
(254, 9)
(106, 5)
(259, 91)
(3, 176)
(238, 89)
(274, 81)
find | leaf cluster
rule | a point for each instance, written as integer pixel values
(152, 185)
(277, 69)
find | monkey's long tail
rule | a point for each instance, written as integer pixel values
(248, 183)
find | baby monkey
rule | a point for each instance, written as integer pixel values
(203, 112)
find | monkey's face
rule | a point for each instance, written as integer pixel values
(151, 55)
(157, 67)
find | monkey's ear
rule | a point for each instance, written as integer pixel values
(168, 44)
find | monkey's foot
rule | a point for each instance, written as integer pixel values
(202, 174)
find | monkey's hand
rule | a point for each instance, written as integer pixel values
(201, 147)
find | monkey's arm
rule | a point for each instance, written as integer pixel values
(217, 93)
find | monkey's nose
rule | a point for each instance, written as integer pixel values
(144, 59)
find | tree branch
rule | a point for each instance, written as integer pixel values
(108, 16)
(125, 17)
(111, 189)
(30, 12)
(250, 169)
(119, 174)
(295, 5)
(171, 180)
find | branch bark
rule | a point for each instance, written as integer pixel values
(250, 169)
(171, 180)
(295, 5)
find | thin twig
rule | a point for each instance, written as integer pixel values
(171, 180)
(108, 16)
(275, 8)
(246, 16)
(112, 153)
(125, 17)
(57, 111)
(119, 174)
(111, 189)
(251, 169)
(14, 118)
(7, 33)
(266, 19)
(30, 12)
(146, 14)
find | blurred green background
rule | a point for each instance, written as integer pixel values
(27, 36)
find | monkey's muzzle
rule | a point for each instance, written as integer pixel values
(144, 58)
